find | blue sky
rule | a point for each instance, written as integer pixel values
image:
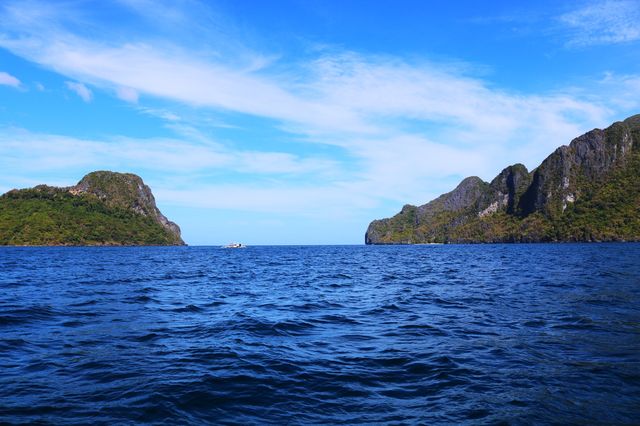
(300, 121)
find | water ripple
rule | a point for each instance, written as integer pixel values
(491, 334)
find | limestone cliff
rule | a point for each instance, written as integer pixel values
(124, 190)
(586, 191)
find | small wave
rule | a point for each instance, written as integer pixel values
(534, 323)
(422, 330)
(189, 308)
(293, 328)
(575, 323)
(142, 299)
(11, 344)
(73, 323)
(336, 319)
(216, 303)
(448, 303)
(358, 337)
(84, 303)
(145, 337)
(26, 315)
(476, 413)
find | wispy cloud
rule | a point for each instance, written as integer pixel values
(345, 100)
(603, 22)
(127, 94)
(7, 79)
(623, 90)
(338, 94)
(24, 150)
(80, 89)
(160, 113)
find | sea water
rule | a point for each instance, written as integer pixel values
(446, 334)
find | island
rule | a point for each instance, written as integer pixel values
(104, 209)
(586, 191)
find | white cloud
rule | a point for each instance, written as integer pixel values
(312, 201)
(7, 79)
(127, 94)
(623, 90)
(80, 89)
(24, 150)
(345, 94)
(164, 114)
(604, 22)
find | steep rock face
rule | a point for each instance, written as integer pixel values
(414, 224)
(104, 208)
(124, 190)
(586, 191)
(561, 177)
(465, 195)
(510, 184)
(400, 226)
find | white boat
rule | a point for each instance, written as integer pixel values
(234, 246)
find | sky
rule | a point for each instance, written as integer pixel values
(300, 121)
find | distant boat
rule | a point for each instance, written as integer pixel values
(234, 246)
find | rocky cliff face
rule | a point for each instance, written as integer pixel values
(589, 158)
(104, 208)
(124, 190)
(507, 188)
(555, 202)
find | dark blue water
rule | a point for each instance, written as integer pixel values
(332, 335)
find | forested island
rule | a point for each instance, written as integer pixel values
(104, 208)
(586, 191)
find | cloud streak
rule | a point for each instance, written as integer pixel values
(80, 89)
(127, 94)
(39, 151)
(603, 22)
(335, 94)
(7, 79)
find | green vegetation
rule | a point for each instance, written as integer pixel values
(53, 216)
(610, 210)
(124, 190)
(587, 191)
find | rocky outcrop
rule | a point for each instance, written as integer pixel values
(561, 200)
(507, 188)
(561, 177)
(124, 190)
(464, 196)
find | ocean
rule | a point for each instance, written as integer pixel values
(449, 334)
